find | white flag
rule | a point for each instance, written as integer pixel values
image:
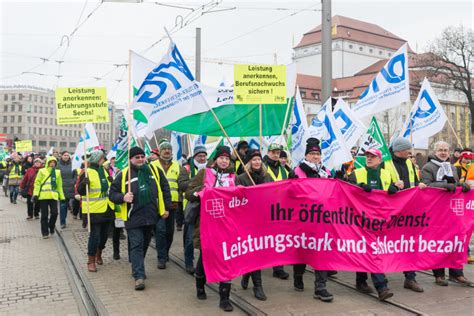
(176, 144)
(168, 93)
(390, 87)
(89, 137)
(299, 130)
(427, 117)
(350, 126)
(317, 129)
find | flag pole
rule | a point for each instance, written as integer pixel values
(260, 126)
(87, 187)
(286, 116)
(190, 148)
(455, 134)
(156, 141)
(129, 121)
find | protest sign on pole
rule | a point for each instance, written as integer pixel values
(258, 84)
(81, 105)
(23, 146)
(332, 225)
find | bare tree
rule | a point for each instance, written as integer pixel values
(450, 61)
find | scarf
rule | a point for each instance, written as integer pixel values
(373, 178)
(104, 184)
(144, 181)
(198, 165)
(257, 176)
(222, 178)
(444, 172)
(53, 179)
(317, 169)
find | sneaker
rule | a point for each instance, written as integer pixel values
(139, 285)
(179, 228)
(37, 217)
(298, 283)
(161, 265)
(323, 295)
(190, 270)
(364, 288)
(51, 232)
(413, 285)
(441, 281)
(45, 237)
(116, 256)
(385, 294)
(74, 217)
(14, 202)
(63, 226)
(29, 218)
(280, 274)
(461, 280)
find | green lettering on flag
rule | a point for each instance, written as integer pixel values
(373, 138)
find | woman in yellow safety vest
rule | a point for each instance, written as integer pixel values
(48, 191)
(15, 174)
(99, 206)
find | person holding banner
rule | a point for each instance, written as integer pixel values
(15, 174)
(164, 232)
(372, 176)
(100, 207)
(253, 160)
(278, 173)
(311, 167)
(440, 173)
(144, 195)
(220, 174)
(48, 191)
(27, 184)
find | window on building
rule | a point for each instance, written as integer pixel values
(40, 130)
(303, 94)
(41, 120)
(20, 96)
(389, 54)
(361, 48)
(13, 107)
(371, 50)
(52, 100)
(33, 142)
(29, 119)
(5, 108)
(46, 100)
(315, 95)
(5, 97)
(40, 109)
(12, 119)
(36, 109)
(41, 99)
(5, 130)
(20, 107)
(34, 130)
(5, 118)
(34, 119)
(351, 46)
(19, 129)
(19, 119)
(12, 131)
(72, 144)
(35, 98)
(53, 143)
(380, 52)
(51, 111)
(50, 131)
(42, 143)
(63, 144)
(13, 97)
(30, 97)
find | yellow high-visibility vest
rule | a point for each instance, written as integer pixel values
(385, 177)
(97, 203)
(172, 176)
(390, 167)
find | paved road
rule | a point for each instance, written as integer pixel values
(34, 280)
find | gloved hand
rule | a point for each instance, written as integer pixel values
(86, 181)
(466, 188)
(110, 178)
(366, 187)
(77, 197)
(392, 189)
(34, 199)
(451, 187)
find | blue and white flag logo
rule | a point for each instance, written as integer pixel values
(350, 126)
(299, 130)
(390, 87)
(426, 118)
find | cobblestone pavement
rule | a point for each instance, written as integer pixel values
(33, 279)
(33, 288)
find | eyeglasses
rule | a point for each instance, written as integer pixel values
(139, 157)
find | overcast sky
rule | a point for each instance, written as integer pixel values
(238, 31)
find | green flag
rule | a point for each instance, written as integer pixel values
(147, 148)
(373, 138)
(121, 145)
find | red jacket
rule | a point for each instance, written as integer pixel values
(29, 179)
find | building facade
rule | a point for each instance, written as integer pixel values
(29, 113)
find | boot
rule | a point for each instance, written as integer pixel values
(298, 283)
(224, 293)
(257, 286)
(98, 257)
(91, 264)
(116, 245)
(200, 291)
(245, 281)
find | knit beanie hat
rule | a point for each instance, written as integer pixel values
(312, 144)
(242, 144)
(136, 151)
(283, 154)
(222, 151)
(95, 156)
(165, 144)
(400, 143)
(252, 153)
(199, 150)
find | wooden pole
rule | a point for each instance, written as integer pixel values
(286, 117)
(260, 127)
(87, 187)
(156, 140)
(455, 134)
(129, 121)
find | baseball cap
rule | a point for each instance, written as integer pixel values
(374, 151)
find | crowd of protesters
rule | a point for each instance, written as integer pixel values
(155, 193)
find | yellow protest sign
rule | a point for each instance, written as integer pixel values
(81, 105)
(259, 84)
(23, 146)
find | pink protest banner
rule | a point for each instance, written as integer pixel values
(332, 225)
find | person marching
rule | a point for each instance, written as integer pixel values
(440, 173)
(48, 191)
(311, 167)
(15, 174)
(28, 183)
(278, 173)
(164, 232)
(404, 170)
(148, 199)
(372, 176)
(65, 166)
(220, 174)
(242, 148)
(195, 163)
(463, 164)
(101, 209)
(259, 174)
